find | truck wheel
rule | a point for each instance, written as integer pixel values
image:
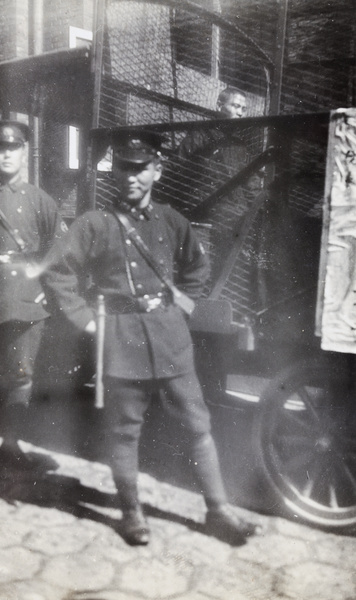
(305, 435)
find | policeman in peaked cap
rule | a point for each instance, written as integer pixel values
(29, 222)
(138, 148)
(148, 351)
(13, 133)
(130, 147)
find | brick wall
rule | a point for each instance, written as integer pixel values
(14, 29)
(59, 16)
(21, 35)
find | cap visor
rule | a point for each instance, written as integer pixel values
(132, 161)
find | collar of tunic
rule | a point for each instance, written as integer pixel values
(14, 186)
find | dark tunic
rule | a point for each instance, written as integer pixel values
(35, 215)
(138, 345)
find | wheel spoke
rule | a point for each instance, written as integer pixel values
(307, 490)
(350, 476)
(308, 402)
(315, 473)
(333, 497)
(308, 446)
(294, 462)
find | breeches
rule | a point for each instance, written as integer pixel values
(181, 397)
(126, 402)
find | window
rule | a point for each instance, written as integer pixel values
(77, 38)
(73, 147)
(194, 39)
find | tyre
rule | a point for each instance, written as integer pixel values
(305, 434)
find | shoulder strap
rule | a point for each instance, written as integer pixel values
(179, 298)
(14, 233)
(143, 249)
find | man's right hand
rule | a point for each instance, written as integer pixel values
(91, 327)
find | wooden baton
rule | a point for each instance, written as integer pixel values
(100, 335)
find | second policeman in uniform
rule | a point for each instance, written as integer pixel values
(148, 348)
(29, 224)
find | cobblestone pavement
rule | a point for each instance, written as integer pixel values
(57, 542)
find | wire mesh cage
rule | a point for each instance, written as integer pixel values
(164, 65)
(174, 62)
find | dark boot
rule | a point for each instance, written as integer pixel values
(222, 523)
(134, 527)
(207, 469)
(14, 418)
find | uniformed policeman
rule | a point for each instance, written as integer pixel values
(148, 348)
(29, 223)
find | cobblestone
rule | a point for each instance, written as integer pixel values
(58, 542)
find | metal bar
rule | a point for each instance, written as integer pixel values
(215, 44)
(142, 92)
(45, 60)
(256, 164)
(174, 70)
(307, 124)
(215, 19)
(279, 59)
(241, 236)
(35, 44)
(96, 69)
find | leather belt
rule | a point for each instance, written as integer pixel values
(142, 304)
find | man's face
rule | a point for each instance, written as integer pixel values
(135, 181)
(234, 107)
(11, 156)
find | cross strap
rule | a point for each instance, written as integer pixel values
(14, 233)
(179, 298)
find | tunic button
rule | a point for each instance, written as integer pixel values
(13, 273)
(156, 216)
(141, 217)
(161, 262)
(139, 286)
(23, 192)
(128, 242)
(160, 239)
(133, 264)
(19, 210)
(146, 296)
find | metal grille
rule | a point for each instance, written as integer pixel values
(164, 65)
(319, 67)
(173, 62)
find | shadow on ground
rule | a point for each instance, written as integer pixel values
(44, 488)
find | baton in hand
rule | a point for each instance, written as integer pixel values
(100, 333)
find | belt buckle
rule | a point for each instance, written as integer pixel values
(148, 304)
